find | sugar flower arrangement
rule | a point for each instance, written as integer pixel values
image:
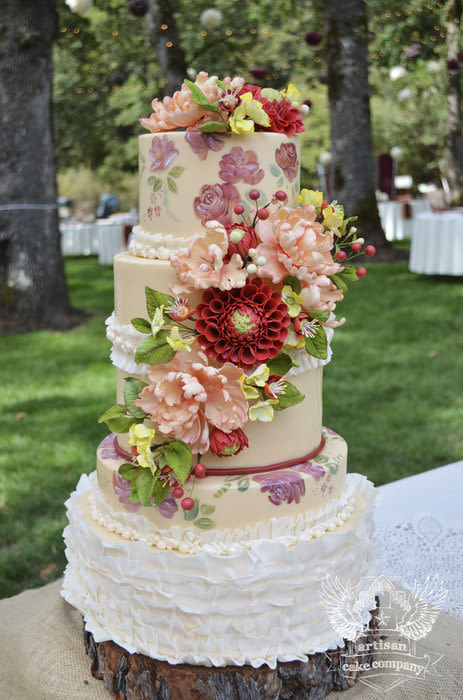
(213, 105)
(268, 285)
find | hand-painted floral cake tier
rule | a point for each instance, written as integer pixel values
(300, 500)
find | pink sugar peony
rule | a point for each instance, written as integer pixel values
(186, 397)
(180, 111)
(294, 243)
(207, 263)
(216, 203)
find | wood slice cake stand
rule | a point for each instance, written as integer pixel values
(138, 677)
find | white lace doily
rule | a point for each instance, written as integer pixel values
(412, 551)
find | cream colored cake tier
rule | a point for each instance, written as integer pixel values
(298, 428)
(259, 605)
(231, 511)
(188, 178)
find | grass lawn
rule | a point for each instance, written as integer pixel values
(393, 390)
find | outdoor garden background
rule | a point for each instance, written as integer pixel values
(394, 387)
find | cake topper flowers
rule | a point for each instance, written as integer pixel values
(249, 298)
(211, 105)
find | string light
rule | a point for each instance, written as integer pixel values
(164, 26)
(253, 31)
(76, 30)
(63, 30)
(169, 44)
(115, 33)
(228, 32)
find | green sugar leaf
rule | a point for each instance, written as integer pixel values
(293, 282)
(318, 345)
(280, 364)
(145, 486)
(291, 397)
(129, 472)
(154, 351)
(210, 127)
(155, 299)
(179, 458)
(132, 388)
(141, 325)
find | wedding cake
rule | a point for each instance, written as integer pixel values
(220, 503)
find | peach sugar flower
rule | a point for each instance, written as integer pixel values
(180, 111)
(187, 396)
(294, 243)
(201, 265)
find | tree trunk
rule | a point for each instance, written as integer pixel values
(352, 167)
(454, 99)
(166, 43)
(32, 288)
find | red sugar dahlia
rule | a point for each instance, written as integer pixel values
(227, 444)
(246, 325)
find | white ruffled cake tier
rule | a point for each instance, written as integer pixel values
(258, 606)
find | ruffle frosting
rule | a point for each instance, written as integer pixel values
(156, 246)
(258, 606)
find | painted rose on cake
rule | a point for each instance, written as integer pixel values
(240, 166)
(216, 203)
(201, 143)
(162, 153)
(282, 487)
(122, 490)
(286, 157)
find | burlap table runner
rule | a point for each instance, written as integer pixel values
(43, 658)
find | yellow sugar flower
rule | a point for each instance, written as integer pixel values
(249, 392)
(263, 411)
(292, 300)
(313, 197)
(332, 219)
(293, 340)
(177, 342)
(259, 376)
(142, 437)
(293, 95)
(248, 113)
(158, 320)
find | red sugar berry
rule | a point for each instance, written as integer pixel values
(357, 246)
(187, 503)
(361, 272)
(200, 470)
(263, 214)
(238, 209)
(281, 196)
(254, 194)
(134, 451)
(166, 470)
(341, 255)
(178, 492)
(370, 250)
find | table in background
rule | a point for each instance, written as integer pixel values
(398, 218)
(437, 243)
(105, 237)
(79, 238)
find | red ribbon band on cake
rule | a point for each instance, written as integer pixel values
(236, 471)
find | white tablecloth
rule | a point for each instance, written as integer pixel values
(111, 241)
(393, 217)
(78, 238)
(437, 244)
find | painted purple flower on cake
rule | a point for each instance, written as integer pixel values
(286, 157)
(239, 165)
(282, 487)
(216, 203)
(107, 449)
(162, 153)
(201, 143)
(168, 507)
(122, 489)
(315, 470)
